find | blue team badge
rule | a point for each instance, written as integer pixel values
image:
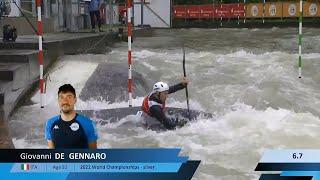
(74, 126)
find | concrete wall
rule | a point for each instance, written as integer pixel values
(26, 73)
(161, 7)
(23, 27)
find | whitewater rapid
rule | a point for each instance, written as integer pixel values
(247, 78)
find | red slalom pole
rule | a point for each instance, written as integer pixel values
(40, 54)
(129, 24)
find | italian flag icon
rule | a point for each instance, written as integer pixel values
(25, 167)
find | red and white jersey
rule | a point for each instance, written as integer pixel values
(147, 104)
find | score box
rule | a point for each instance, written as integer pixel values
(291, 156)
(290, 163)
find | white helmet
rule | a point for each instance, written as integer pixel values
(160, 87)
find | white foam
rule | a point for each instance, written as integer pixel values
(254, 29)
(22, 143)
(73, 70)
(237, 139)
(183, 104)
(311, 56)
(143, 54)
(258, 100)
(149, 66)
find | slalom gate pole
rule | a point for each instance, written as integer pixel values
(40, 54)
(300, 37)
(129, 24)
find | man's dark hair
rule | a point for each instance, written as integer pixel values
(67, 88)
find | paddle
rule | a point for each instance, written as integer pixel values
(184, 74)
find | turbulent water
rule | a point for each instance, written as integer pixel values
(247, 77)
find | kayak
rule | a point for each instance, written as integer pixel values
(105, 116)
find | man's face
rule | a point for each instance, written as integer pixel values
(163, 96)
(66, 101)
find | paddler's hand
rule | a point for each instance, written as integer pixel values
(184, 81)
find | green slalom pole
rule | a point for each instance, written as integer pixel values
(221, 13)
(238, 12)
(300, 36)
(264, 10)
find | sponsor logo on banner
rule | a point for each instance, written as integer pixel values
(292, 9)
(180, 12)
(254, 10)
(193, 11)
(272, 10)
(206, 11)
(313, 9)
